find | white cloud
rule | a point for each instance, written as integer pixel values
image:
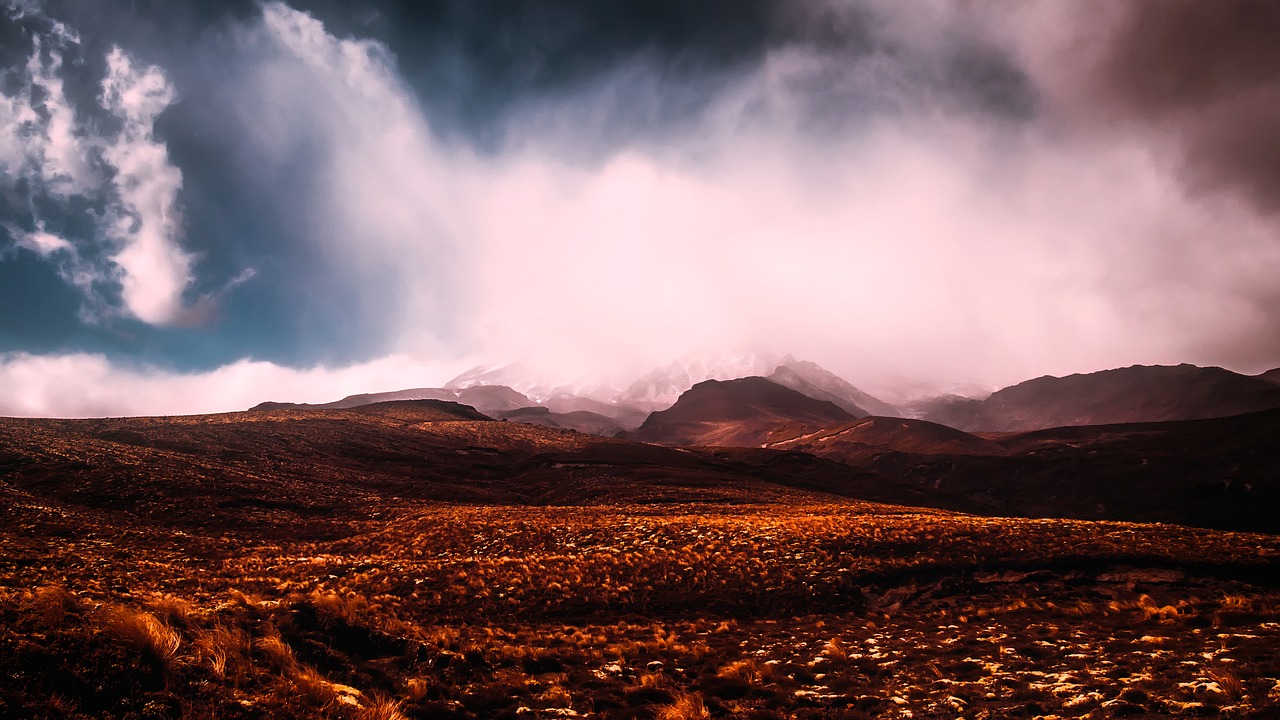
(40, 242)
(84, 385)
(144, 221)
(39, 138)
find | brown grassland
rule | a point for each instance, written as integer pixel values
(314, 593)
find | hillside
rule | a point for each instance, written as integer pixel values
(259, 468)
(501, 402)
(1217, 472)
(1125, 395)
(578, 420)
(625, 416)
(743, 412)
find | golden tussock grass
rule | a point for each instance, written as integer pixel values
(686, 706)
(556, 696)
(1228, 681)
(155, 641)
(835, 650)
(172, 610)
(53, 602)
(752, 672)
(224, 650)
(651, 681)
(417, 689)
(676, 613)
(277, 653)
(381, 707)
(313, 688)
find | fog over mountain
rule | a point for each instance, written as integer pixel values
(204, 206)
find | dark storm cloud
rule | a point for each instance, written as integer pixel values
(1202, 79)
(650, 69)
(1206, 73)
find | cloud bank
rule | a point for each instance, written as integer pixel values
(84, 385)
(910, 199)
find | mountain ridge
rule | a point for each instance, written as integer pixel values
(1138, 393)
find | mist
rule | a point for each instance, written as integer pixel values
(913, 200)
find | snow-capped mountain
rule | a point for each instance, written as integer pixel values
(820, 383)
(660, 388)
(522, 379)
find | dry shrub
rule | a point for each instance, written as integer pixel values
(52, 603)
(278, 654)
(1083, 608)
(332, 607)
(836, 650)
(313, 688)
(248, 602)
(417, 689)
(1235, 603)
(224, 650)
(1230, 683)
(154, 640)
(686, 706)
(172, 610)
(445, 638)
(1151, 610)
(751, 672)
(556, 696)
(651, 681)
(381, 707)
(648, 689)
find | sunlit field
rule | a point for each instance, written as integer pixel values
(787, 609)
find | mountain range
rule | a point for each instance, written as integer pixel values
(1179, 443)
(1124, 395)
(504, 393)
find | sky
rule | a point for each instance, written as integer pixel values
(208, 205)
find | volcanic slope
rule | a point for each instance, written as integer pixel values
(748, 412)
(1124, 395)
